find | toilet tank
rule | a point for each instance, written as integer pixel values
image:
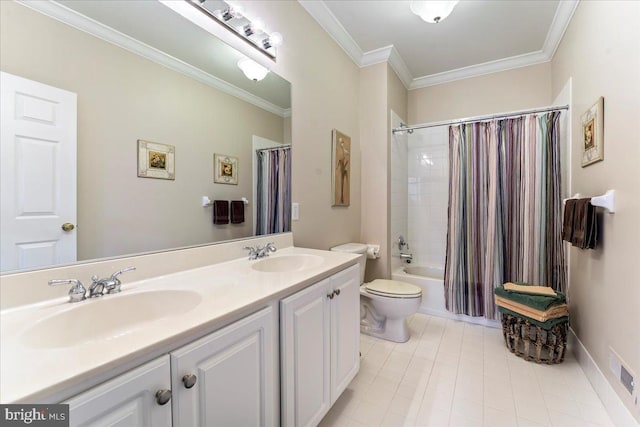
(355, 248)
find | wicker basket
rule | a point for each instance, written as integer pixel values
(533, 342)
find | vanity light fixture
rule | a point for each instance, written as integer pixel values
(252, 69)
(234, 18)
(432, 11)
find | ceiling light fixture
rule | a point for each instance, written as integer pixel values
(252, 69)
(433, 11)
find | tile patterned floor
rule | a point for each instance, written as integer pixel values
(458, 374)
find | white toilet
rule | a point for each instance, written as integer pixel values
(384, 304)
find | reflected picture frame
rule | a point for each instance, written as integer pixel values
(156, 160)
(225, 169)
(341, 168)
(593, 133)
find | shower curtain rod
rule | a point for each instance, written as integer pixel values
(410, 129)
(274, 148)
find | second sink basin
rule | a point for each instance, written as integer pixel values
(287, 263)
(107, 317)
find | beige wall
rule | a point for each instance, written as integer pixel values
(380, 92)
(521, 88)
(601, 53)
(122, 98)
(375, 166)
(325, 86)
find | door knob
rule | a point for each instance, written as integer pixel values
(67, 226)
(163, 396)
(189, 380)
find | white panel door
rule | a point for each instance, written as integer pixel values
(126, 401)
(305, 355)
(234, 374)
(38, 167)
(345, 329)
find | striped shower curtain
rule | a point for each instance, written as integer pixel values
(504, 210)
(273, 204)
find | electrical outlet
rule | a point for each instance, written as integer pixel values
(295, 211)
(622, 373)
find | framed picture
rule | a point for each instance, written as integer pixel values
(156, 160)
(341, 176)
(225, 169)
(593, 133)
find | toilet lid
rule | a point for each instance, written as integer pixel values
(393, 288)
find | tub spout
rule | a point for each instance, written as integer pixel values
(406, 258)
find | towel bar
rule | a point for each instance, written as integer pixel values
(208, 202)
(607, 200)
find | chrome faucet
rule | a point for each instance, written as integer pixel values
(110, 285)
(402, 243)
(258, 252)
(77, 291)
(263, 252)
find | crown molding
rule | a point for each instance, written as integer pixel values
(505, 64)
(327, 20)
(400, 67)
(559, 25)
(83, 23)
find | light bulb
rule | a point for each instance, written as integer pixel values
(275, 39)
(258, 25)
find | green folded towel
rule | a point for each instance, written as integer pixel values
(544, 325)
(539, 302)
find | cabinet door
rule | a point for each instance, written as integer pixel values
(126, 401)
(345, 330)
(305, 355)
(234, 374)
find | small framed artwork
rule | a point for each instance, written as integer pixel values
(156, 160)
(225, 169)
(341, 176)
(593, 133)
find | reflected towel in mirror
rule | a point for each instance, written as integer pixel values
(221, 212)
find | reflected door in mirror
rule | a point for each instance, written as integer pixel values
(38, 169)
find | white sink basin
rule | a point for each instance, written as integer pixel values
(107, 317)
(287, 263)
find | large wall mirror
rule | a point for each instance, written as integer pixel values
(140, 72)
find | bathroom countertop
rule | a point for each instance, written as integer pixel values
(228, 291)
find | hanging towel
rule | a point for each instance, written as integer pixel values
(585, 226)
(221, 212)
(567, 223)
(237, 212)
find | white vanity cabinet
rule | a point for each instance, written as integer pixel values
(319, 342)
(224, 379)
(233, 370)
(127, 400)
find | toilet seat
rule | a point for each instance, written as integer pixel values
(393, 289)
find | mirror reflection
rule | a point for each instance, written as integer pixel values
(150, 103)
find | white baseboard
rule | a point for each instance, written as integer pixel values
(460, 317)
(619, 414)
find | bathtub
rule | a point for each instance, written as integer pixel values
(431, 280)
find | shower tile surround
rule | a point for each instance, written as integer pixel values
(429, 194)
(453, 373)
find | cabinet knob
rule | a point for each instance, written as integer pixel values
(337, 292)
(330, 296)
(163, 396)
(189, 380)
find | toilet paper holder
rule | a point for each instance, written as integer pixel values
(373, 251)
